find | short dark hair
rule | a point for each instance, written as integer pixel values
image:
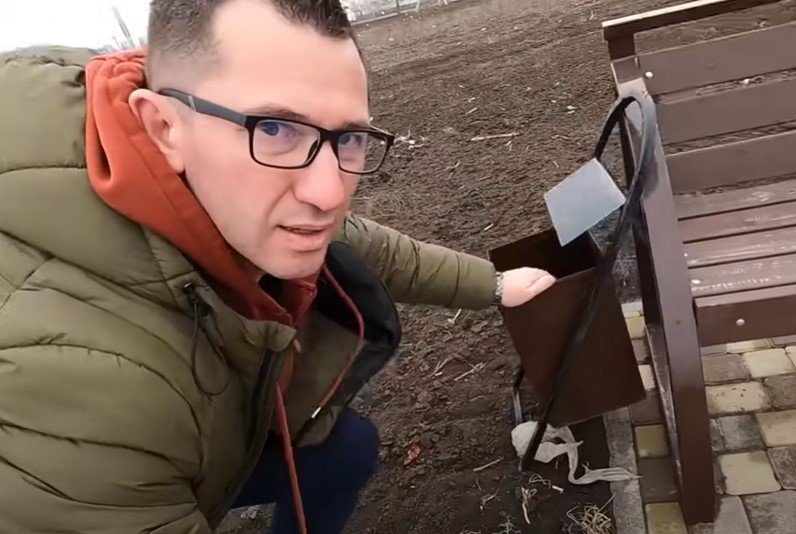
(181, 29)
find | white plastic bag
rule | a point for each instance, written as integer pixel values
(549, 450)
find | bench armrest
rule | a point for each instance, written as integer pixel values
(659, 18)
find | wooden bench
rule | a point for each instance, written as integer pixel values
(716, 246)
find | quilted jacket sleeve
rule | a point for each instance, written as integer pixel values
(416, 272)
(91, 442)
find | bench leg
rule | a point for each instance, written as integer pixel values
(672, 330)
(678, 364)
(688, 425)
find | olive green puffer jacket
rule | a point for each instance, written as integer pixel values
(117, 413)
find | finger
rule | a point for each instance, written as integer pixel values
(536, 273)
(540, 277)
(541, 285)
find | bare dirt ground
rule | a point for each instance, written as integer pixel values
(477, 68)
(537, 69)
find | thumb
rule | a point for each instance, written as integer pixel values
(540, 285)
(521, 285)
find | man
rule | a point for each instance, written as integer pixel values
(185, 306)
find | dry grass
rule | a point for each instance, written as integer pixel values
(507, 527)
(590, 520)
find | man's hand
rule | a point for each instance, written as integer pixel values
(523, 284)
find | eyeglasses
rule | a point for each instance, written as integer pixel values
(290, 144)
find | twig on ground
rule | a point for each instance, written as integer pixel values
(458, 313)
(571, 517)
(472, 111)
(527, 495)
(438, 369)
(496, 136)
(487, 466)
(591, 520)
(486, 498)
(536, 478)
(488, 227)
(507, 527)
(594, 521)
(525, 499)
(609, 501)
(475, 369)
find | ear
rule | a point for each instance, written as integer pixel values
(162, 123)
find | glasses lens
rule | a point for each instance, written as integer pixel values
(361, 152)
(283, 143)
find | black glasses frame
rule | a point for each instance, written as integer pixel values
(249, 122)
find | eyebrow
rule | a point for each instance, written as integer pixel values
(289, 114)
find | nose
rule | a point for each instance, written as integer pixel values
(321, 183)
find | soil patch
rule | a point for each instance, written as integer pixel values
(441, 77)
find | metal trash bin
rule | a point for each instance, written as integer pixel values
(605, 375)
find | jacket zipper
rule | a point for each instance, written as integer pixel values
(261, 423)
(261, 430)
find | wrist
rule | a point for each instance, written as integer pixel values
(497, 298)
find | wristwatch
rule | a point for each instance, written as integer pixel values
(497, 299)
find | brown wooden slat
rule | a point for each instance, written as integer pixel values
(739, 222)
(741, 248)
(742, 108)
(689, 206)
(733, 163)
(667, 16)
(622, 48)
(764, 313)
(744, 55)
(743, 276)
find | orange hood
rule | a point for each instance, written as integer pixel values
(131, 175)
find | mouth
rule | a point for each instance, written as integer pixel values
(305, 230)
(307, 238)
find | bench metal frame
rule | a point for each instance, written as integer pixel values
(718, 266)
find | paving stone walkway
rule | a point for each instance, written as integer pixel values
(751, 395)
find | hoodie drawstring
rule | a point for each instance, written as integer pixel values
(361, 334)
(201, 311)
(284, 429)
(290, 459)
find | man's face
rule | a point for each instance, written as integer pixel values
(281, 221)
